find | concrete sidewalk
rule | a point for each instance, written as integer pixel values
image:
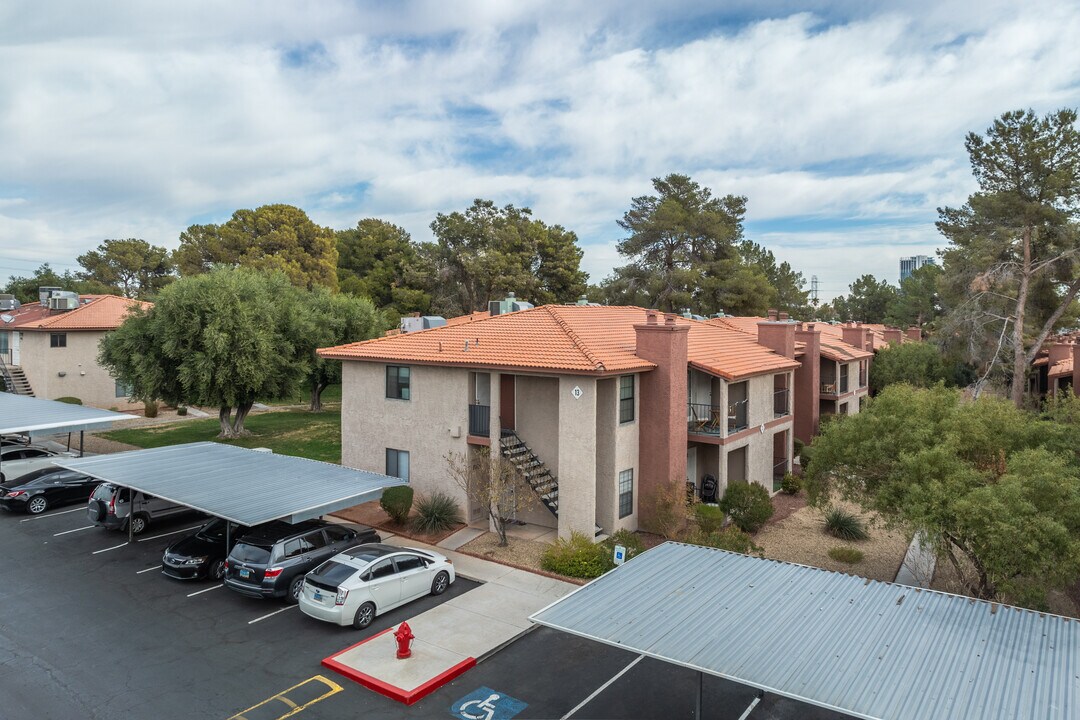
(454, 636)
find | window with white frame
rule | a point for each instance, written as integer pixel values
(626, 492)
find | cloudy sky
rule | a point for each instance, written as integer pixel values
(843, 122)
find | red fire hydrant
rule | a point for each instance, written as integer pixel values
(404, 640)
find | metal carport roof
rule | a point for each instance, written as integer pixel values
(861, 647)
(245, 486)
(37, 416)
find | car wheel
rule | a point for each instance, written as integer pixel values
(440, 583)
(295, 588)
(37, 505)
(217, 570)
(138, 525)
(364, 615)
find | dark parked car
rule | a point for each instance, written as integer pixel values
(202, 554)
(271, 560)
(42, 489)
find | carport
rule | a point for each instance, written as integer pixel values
(242, 486)
(860, 647)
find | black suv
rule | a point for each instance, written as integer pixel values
(271, 560)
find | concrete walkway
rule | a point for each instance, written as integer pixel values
(454, 636)
(917, 570)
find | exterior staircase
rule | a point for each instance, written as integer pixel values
(15, 380)
(533, 469)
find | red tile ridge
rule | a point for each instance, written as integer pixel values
(597, 364)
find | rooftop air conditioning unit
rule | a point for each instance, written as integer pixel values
(8, 302)
(63, 303)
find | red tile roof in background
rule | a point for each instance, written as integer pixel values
(98, 312)
(831, 348)
(575, 339)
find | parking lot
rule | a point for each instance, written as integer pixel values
(91, 629)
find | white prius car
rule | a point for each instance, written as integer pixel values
(354, 586)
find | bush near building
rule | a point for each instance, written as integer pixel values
(747, 504)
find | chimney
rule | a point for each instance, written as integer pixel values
(853, 335)
(914, 333)
(893, 336)
(777, 336)
(772, 314)
(663, 397)
(807, 391)
(1076, 368)
(784, 317)
(1059, 351)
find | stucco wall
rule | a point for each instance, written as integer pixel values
(83, 377)
(425, 425)
(577, 460)
(616, 451)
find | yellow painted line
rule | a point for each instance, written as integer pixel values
(332, 689)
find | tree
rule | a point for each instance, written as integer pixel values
(1015, 243)
(917, 364)
(272, 237)
(25, 288)
(335, 320)
(995, 489)
(788, 291)
(487, 252)
(222, 339)
(868, 301)
(918, 301)
(378, 260)
(493, 483)
(137, 268)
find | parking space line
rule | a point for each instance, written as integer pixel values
(750, 708)
(603, 687)
(332, 688)
(49, 515)
(200, 592)
(174, 532)
(252, 622)
(149, 569)
(71, 531)
(114, 547)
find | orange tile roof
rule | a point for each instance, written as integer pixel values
(836, 333)
(1061, 368)
(575, 339)
(471, 317)
(831, 348)
(101, 312)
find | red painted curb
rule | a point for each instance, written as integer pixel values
(393, 691)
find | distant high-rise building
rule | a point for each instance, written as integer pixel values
(909, 265)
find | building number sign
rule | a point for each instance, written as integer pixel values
(577, 392)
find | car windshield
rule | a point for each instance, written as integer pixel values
(334, 573)
(246, 552)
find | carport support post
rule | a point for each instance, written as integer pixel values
(81, 438)
(697, 704)
(131, 515)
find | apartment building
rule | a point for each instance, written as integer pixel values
(599, 406)
(49, 349)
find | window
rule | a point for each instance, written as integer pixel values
(397, 463)
(397, 382)
(122, 390)
(626, 398)
(843, 378)
(408, 562)
(385, 568)
(339, 534)
(293, 548)
(626, 493)
(58, 340)
(314, 540)
(5, 344)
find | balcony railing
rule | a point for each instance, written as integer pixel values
(781, 403)
(828, 388)
(480, 420)
(705, 419)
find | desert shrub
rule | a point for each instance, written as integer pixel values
(150, 408)
(577, 557)
(791, 484)
(436, 512)
(667, 510)
(798, 445)
(804, 457)
(747, 504)
(181, 410)
(397, 502)
(844, 525)
(710, 518)
(846, 554)
(730, 538)
(69, 400)
(628, 539)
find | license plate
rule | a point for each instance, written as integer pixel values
(245, 573)
(317, 596)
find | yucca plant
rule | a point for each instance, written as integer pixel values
(436, 512)
(844, 525)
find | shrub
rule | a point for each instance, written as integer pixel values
(436, 512)
(667, 510)
(747, 504)
(798, 445)
(730, 538)
(397, 502)
(844, 525)
(181, 410)
(791, 484)
(69, 400)
(710, 518)
(846, 554)
(577, 557)
(804, 457)
(150, 408)
(628, 539)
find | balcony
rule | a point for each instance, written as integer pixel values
(781, 403)
(480, 420)
(705, 419)
(737, 416)
(828, 388)
(843, 384)
(862, 379)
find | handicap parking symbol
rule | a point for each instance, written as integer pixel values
(487, 704)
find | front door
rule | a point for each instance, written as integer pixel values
(506, 402)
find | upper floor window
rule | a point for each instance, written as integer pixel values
(843, 377)
(58, 340)
(738, 402)
(626, 492)
(397, 382)
(397, 463)
(626, 398)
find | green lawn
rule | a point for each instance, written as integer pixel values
(330, 395)
(311, 435)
